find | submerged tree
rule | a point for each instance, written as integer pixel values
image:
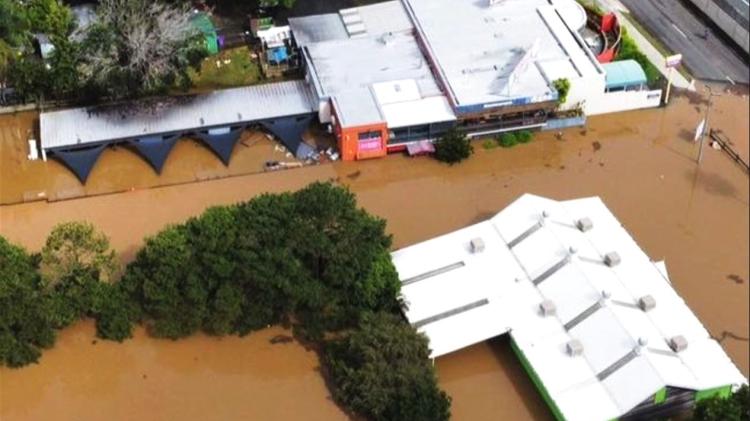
(453, 147)
(25, 320)
(382, 371)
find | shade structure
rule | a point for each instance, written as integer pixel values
(289, 130)
(221, 143)
(154, 149)
(81, 161)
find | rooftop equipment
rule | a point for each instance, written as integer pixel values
(584, 224)
(574, 347)
(477, 245)
(612, 259)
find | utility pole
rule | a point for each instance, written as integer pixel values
(711, 95)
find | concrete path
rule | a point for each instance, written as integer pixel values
(678, 81)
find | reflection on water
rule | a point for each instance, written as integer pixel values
(637, 162)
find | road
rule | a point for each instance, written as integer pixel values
(681, 30)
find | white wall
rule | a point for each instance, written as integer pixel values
(612, 102)
(582, 89)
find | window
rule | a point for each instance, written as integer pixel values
(366, 136)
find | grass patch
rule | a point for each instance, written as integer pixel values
(489, 144)
(240, 71)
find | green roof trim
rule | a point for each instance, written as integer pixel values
(203, 23)
(721, 391)
(660, 396)
(625, 73)
(537, 381)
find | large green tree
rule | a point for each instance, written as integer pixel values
(382, 371)
(26, 325)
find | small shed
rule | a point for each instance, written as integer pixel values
(625, 75)
(203, 23)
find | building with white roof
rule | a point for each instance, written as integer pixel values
(404, 71)
(597, 324)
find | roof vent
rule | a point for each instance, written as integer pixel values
(642, 341)
(612, 259)
(646, 303)
(606, 294)
(547, 307)
(574, 347)
(572, 250)
(678, 343)
(584, 224)
(477, 245)
(545, 214)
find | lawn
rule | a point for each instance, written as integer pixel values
(233, 67)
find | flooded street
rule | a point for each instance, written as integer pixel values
(641, 163)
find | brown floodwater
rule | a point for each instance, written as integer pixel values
(198, 378)
(641, 163)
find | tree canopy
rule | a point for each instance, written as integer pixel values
(734, 408)
(312, 255)
(453, 147)
(25, 320)
(382, 370)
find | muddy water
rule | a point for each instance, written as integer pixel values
(641, 163)
(199, 378)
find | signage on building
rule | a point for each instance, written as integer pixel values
(673, 61)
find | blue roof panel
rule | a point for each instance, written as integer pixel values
(624, 73)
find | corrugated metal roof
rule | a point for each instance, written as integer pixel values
(79, 126)
(624, 73)
(625, 357)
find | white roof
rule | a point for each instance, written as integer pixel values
(626, 357)
(77, 126)
(377, 77)
(476, 46)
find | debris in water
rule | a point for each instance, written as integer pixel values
(596, 145)
(354, 175)
(737, 279)
(281, 339)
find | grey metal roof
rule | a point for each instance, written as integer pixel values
(317, 28)
(80, 126)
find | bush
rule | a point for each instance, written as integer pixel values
(562, 86)
(26, 325)
(489, 144)
(629, 51)
(453, 147)
(507, 139)
(733, 408)
(382, 371)
(524, 136)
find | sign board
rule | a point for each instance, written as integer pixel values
(673, 61)
(699, 130)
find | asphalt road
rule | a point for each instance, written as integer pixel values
(681, 30)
